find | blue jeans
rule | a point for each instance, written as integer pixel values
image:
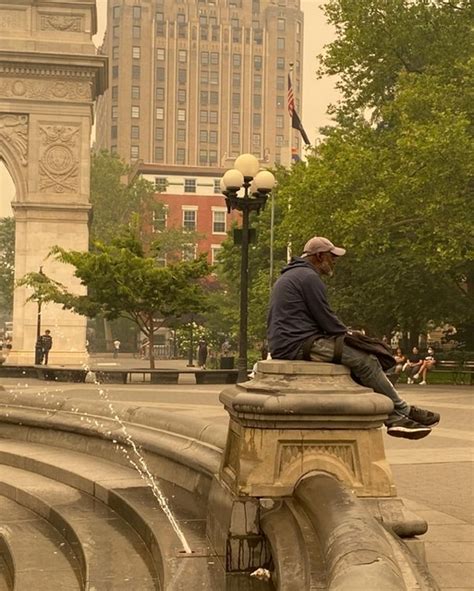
(367, 370)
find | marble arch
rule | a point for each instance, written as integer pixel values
(50, 77)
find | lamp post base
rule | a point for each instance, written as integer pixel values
(242, 375)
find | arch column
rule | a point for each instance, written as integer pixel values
(49, 80)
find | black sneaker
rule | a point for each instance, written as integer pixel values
(424, 417)
(407, 428)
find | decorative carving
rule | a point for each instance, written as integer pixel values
(59, 161)
(294, 452)
(61, 22)
(63, 90)
(14, 130)
(12, 20)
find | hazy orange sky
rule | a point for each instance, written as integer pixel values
(317, 94)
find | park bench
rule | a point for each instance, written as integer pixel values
(462, 372)
(466, 373)
(165, 376)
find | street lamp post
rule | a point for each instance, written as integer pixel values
(256, 185)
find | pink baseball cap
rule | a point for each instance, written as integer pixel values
(320, 244)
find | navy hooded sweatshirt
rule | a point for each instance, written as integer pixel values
(299, 309)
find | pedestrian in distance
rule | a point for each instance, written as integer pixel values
(116, 344)
(301, 324)
(46, 345)
(202, 353)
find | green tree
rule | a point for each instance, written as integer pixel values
(123, 282)
(396, 190)
(7, 265)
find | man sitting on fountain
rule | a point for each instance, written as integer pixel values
(300, 320)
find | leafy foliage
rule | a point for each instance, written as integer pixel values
(7, 264)
(122, 281)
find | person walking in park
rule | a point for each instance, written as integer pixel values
(116, 348)
(202, 354)
(301, 324)
(46, 344)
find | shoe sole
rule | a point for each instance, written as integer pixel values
(409, 433)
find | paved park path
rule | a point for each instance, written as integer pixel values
(433, 475)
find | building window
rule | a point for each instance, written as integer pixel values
(113, 132)
(236, 99)
(257, 119)
(135, 72)
(204, 97)
(281, 43)
(136, 32)
(204, 58)
(279, 140)
(281, 24)
(256, 139)
(136, 52)
(235, 118)
(214, 77)
(218, 221)
(160, 93)
(189, 219)
(159, 152)
(135, 112)
(116, 32)
(189, 185)
(160, 74)
(236, 60)
(280, 102)
(257, 82)
(160, 113)
(257, 62)
(181, 95)
(181, 156)
(217, 186)
(203, 137)
(116, 11)
(181, 134)
(215, 254)
(160, 29)
(160, 54)
(212, 156)
(159, 218)
(203, 116)
(202, 156)
(214, 97)
(214, 58)
(114, 92)
(114, 112)
(235, 138)
(134, 152)
(181, 114)
(236, 79)
(279, 121)
(137, 12)
(182, 76)
(257, 101)
(204, 77)
(135, 132)
(160, 17)
(159, 134)
(115, 71)
(183, 56)
(213, 118)
(213, 137)
(115, 52)
(280, 63)
(280, 83)
(189, 252)
(161, 183)
(135, 92)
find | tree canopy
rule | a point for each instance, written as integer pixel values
(7, 264)
(123, 282)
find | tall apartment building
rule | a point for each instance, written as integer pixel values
(198, 82)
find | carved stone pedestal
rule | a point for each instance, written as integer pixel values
(298, 419)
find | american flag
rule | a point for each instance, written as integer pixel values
(295, 120)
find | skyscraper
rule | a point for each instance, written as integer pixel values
(194, 83)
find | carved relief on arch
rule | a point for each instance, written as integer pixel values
(59, 159)
(14, 132)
